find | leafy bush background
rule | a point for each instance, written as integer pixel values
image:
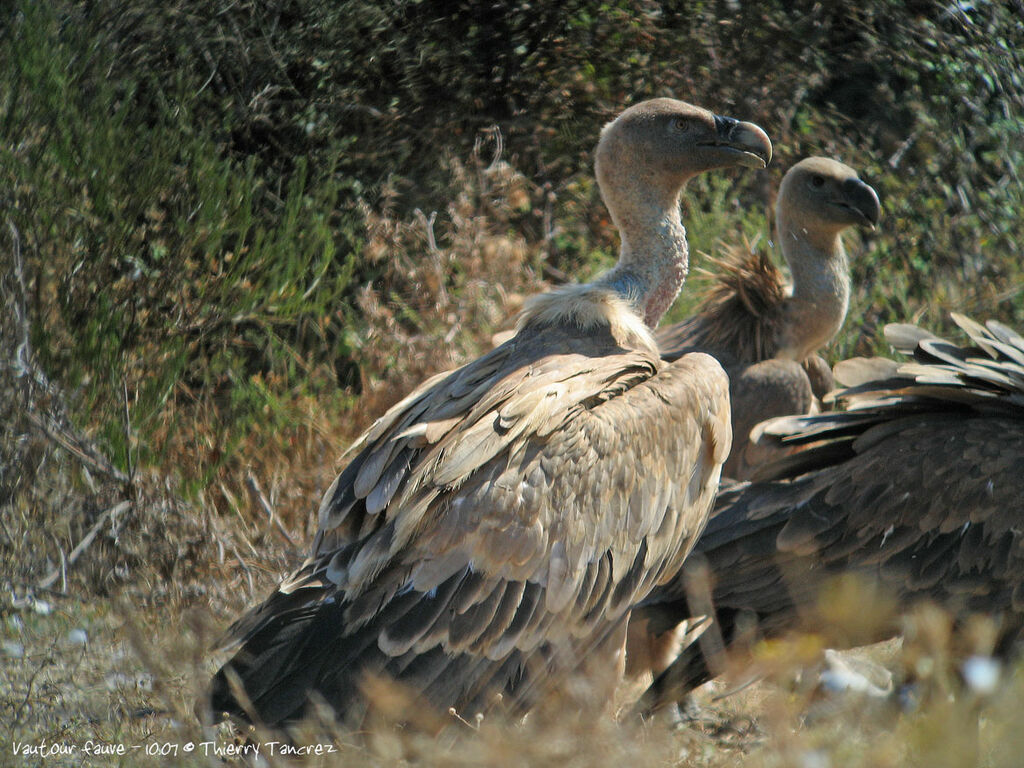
(247, 227)
(233, 232)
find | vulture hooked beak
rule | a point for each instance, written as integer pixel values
(860, 200)
(746, 139)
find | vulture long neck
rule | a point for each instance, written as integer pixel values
(820, 295)
(633, 295)
(653, 259)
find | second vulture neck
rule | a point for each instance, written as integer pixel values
(653, 259)
(820, 295)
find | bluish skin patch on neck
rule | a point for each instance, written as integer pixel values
(626, 284)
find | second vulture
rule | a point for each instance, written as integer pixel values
(918, 487)
(764, 332)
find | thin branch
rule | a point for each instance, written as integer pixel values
(63, 567)
(78, 447)
(257, 496)
(56, 427)
(435, 253)
(548, 222)
(245, 570)
(83, 544)
(21, 354)
(31, 684)
(127, 432)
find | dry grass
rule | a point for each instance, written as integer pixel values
(116, 585)
(450, 278)
(116, 581)
(112, 673)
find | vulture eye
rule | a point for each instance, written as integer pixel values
(680, 124)
(817, 181)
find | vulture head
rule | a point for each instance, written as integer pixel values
(818, 199)
(644, 158)
(658, 145)
(824, 195)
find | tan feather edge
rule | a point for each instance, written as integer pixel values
(588, 307)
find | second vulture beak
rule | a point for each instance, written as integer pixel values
(863, 201)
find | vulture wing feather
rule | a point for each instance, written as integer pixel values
(918, 489)
(490, 538)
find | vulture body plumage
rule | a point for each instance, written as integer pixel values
(493, 529)
(764, 332)
(917, 487)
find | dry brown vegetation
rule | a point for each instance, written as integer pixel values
(220, 259)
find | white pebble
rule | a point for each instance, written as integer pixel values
(78, 637)
(41, 607)
(13, 649)
(981, 673)
(814, 759)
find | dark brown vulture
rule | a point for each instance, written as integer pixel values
(918, 487)
(765, 333)
(494, 527)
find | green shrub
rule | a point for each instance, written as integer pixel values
(157, 265)
(197, 184)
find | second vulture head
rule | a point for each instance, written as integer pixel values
(826, 195)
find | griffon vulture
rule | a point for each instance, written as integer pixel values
(917, 486)
(765, 333)
(494, 527)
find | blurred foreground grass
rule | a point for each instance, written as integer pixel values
(233, 233)
(83, 676)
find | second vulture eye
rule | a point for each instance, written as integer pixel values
(817, 181)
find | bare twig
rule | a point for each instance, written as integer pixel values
(897, 157)
(435, 253)
(499, 146)
(63, 568)
(127, 433)
(7, 532)
(56, 426)
(555, 274)
(236, 507)
(428, 226)
(83, 544)
(21, 354)
(31, 684)
(218, 536)
(475, 726)
(259, 498)
(63, 571)
(78, 447)
(494, 132)
(245, 569)
(548, 227)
